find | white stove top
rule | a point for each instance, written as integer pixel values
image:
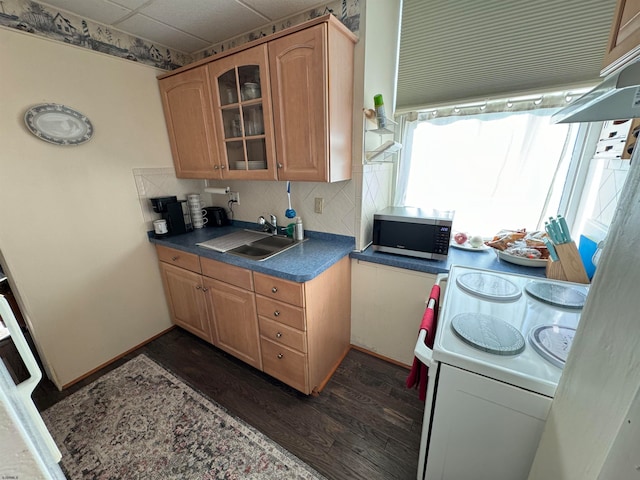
(527, 369)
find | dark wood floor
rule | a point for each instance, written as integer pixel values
(364, 425)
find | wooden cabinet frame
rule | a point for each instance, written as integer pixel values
(296, 332)
(307, 92)
(624, 38)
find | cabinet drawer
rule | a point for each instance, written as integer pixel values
(281, 312)
(285, 364)
(279, 289)
(185, 260)
(237, 276)
(283, 334)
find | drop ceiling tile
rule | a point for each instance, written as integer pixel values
(154, 31)
(277, 9)
(97, 10)
(132, 4)
(213, 21)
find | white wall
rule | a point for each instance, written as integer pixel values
(71, 228)
(380, 31)
(595, 396)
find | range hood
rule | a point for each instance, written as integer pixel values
(616, 98)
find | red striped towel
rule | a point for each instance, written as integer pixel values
(418, 375)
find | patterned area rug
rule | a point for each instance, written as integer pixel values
(141, 422)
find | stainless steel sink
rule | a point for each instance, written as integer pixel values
(264, 248)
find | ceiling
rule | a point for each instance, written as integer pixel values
(186, 25)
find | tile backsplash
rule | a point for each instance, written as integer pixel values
(614, 174)
(348, 206)
(161, 182)
(270, 197)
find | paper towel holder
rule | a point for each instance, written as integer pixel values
(218, 190)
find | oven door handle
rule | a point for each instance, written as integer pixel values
(422, 352)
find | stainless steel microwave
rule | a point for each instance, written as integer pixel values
(413, 231)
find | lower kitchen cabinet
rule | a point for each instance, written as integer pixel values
(232, 311)
(296, 332)
(305, 328)
(187, 304)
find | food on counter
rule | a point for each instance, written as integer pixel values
(521, 243)
(460, 238)
(476, 241)
(525, 252)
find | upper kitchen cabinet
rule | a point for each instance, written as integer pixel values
(242, 110)
(312, 93)
(624, 39)
(278, 108)
(187, 109)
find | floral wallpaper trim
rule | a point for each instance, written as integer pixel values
(348, 11)
(56, 24)
(60, 25)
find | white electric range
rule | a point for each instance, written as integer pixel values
(500, 345)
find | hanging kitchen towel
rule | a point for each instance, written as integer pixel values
(419, 372)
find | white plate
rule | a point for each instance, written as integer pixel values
(251, 165)
(467, 246)
(58, 124)
(525, 262)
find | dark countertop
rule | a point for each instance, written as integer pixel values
(321, 250)
(299, 264)
(485, 259)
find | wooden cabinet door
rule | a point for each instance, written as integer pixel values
(624, 39)
(240, 86)
(234, 321)
(298, 66)
(187, 303)
(187, 109)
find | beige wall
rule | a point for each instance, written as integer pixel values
(71, 229)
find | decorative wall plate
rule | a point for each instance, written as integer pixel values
(58, 124)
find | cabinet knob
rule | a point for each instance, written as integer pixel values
(278, 335)
(222, 167)
(280, 355)
(280, 165)
(216, 167)
(274, 289)
(205, 289)
(173, 259)
(198, 287)
(276, 313)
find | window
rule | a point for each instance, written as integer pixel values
(496, 170)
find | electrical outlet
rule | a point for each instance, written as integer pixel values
(234, 197)
(319, 205)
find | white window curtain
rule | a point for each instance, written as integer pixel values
(496, 170)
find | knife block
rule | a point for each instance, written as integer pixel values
(569, 266)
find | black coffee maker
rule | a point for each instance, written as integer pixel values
(175, 212)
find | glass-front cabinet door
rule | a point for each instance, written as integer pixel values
(242, 106)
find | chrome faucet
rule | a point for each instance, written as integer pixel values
(271, 226)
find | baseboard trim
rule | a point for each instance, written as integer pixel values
(105, 364)
(381, 357)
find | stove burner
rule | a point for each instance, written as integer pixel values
(552, 342)
(489, 287)
(488, 333)
(556, 294)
